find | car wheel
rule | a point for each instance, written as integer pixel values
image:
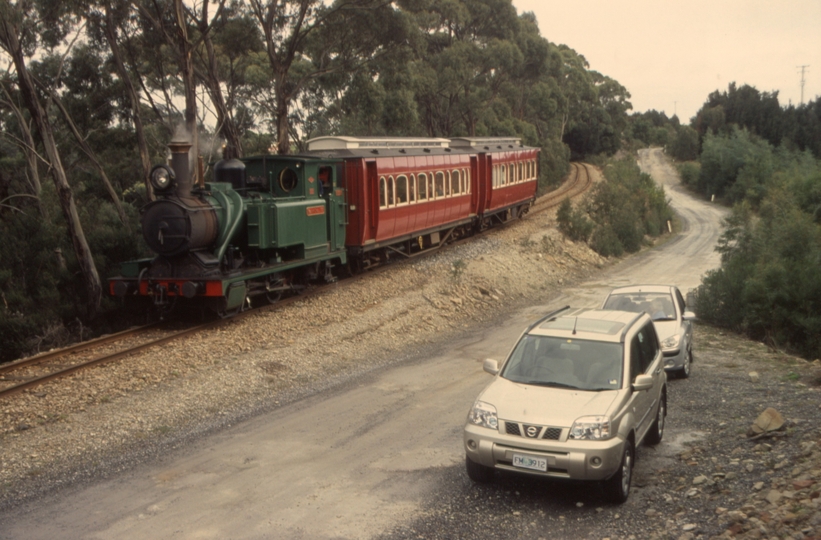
(617, 487)
(657, 429)
(684, 372)
(478, 472)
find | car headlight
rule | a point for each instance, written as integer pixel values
(484, 415)
(162, 177)
(671, 342)
(591, 428)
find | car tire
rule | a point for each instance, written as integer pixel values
(617, 487)
(684, 372)
(657, 429)
(478, 472)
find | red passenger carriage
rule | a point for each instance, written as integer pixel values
(406, 195)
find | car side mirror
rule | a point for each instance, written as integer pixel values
(643, 382)
(689, 316)
(491, 366)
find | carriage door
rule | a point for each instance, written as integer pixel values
(334, 195)
(372, 190)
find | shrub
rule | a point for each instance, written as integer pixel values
(573, 223)
(605, 242)
(689, 171)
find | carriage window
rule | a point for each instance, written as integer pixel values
(440, 184)
(391, 191)
(422, 183)
(288, 180)
(454, 182)
(521, 172)
(503, 175)
(412, 188)
(383, 192)
(465, 181)
(401, 189)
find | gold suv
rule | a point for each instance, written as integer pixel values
(578, 393)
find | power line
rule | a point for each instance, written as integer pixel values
(803, 70)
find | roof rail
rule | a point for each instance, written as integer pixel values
(547, 317)
(629, 325)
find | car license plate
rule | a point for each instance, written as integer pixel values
(530, 462)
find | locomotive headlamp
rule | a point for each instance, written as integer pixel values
(162, 177)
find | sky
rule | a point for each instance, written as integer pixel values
(671, 54)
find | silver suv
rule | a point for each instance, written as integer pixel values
(578, 393)
(666, 306)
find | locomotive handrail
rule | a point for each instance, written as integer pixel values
(233, 221)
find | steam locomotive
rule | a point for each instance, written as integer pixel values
(273, 224)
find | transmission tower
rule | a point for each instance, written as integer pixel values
(803, 71)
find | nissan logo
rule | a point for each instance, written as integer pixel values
(532, 431)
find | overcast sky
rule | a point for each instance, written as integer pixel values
(670, 54)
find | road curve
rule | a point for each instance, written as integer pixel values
(356, 461)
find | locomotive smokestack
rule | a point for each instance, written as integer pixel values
(181, 163)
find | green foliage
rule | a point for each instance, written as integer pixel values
(554, 164)
(630, 205)
(605, 241)
(768, 285)
(684, 145)
(726, 158)
(619, 213)
(573, 223)
(689, 171)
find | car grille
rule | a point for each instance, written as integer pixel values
(533, 432)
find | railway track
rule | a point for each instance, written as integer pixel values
(578, 182)
(28, 373)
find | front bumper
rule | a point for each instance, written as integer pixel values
(674, 360)
(573, 460)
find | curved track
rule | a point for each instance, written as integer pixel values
(28, 373)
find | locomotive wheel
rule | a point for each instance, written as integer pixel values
(274, 296)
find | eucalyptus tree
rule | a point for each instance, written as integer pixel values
(109, 21)
(183, 29)
(306, 40)
(22, 30)
(228, 48)
(467, 58)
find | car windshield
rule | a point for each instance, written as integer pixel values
(658, 305)
(566, 363)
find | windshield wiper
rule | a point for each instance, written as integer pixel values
(552, 384)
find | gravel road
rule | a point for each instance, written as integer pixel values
(341, 417)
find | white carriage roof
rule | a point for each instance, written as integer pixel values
(497, 142)
(352, 143)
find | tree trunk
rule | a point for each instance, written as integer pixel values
(189, 83)
(8, 34)
(225, 121)
(29, 150)
(93, 157)
(110, 31)
(283, 137)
